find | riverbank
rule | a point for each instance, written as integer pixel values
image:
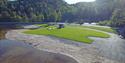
(2, 33)
(20, 52)
(83, 53)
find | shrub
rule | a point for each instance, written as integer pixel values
(105, 23)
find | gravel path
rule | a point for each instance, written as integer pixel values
(111, 48)
(83, 53)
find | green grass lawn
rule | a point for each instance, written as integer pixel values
(101, 29)
(75, 33)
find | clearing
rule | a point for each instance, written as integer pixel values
(76, 33)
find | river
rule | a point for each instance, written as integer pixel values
(19, 52)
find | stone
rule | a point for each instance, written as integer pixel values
(2, 34)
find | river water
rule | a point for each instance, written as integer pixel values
(20, 52)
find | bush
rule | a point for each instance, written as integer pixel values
(105, 23)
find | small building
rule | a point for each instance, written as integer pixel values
(60, 25)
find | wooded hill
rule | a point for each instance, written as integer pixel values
(105, 11)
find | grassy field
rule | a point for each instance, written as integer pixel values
(76, 33)
(101, 28)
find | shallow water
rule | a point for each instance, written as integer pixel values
(20, 52)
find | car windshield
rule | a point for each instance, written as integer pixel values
(62, 31)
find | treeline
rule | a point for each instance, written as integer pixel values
(117, 18)
(107, 12)
(31, 10)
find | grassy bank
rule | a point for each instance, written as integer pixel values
(79, 34)
(101, 29)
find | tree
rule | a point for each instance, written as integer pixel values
(3, 3)
(40, 17)
(118, 17)
(58, 18)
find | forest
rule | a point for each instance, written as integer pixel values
(106, 12)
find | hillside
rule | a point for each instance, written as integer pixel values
(59, 10)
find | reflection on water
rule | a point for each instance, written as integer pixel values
(2, 34)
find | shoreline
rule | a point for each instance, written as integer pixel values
(83, 53)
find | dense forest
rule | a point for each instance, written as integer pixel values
(106, 12)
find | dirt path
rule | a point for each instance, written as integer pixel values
(98, 52)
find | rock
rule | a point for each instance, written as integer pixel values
(31, 27)
(2, 34)
(121, 31)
